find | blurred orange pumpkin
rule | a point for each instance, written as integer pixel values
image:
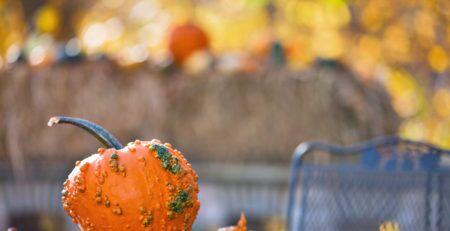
(185, 40)
(145, 185)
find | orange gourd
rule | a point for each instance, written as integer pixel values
(241, 225)
(185, 40)
(146, 185)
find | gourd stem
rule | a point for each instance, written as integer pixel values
(98, 132)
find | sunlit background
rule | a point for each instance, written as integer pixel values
(195, 68)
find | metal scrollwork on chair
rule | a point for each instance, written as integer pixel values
(388, 178)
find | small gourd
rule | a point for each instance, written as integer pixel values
(146, 185)
(389, 226)
(240, 226)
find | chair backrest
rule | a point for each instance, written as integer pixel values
(383, 179)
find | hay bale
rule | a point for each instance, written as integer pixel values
(260, 117)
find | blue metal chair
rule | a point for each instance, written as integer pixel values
(385, 179)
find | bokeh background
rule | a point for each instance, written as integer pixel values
(234, 84)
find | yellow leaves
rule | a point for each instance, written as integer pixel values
(414, 129)
(375, 14)
(304, 12)
(373, 35)
(429, 127)
(433, 124)
(232, 31)
(323, 21)
(328, 44)
(180, 10)
(127, 31)
(407, 97)
(257, 3)
(366, 54)
(316, 14)
(438, 58)
(424, 23)
(12, 29)
(47, 19)
(441, 103)
(396, 43)
(448, 34)
(334, 14)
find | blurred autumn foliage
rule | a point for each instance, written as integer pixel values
(402, 44)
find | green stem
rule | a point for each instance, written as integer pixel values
(98, 132)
